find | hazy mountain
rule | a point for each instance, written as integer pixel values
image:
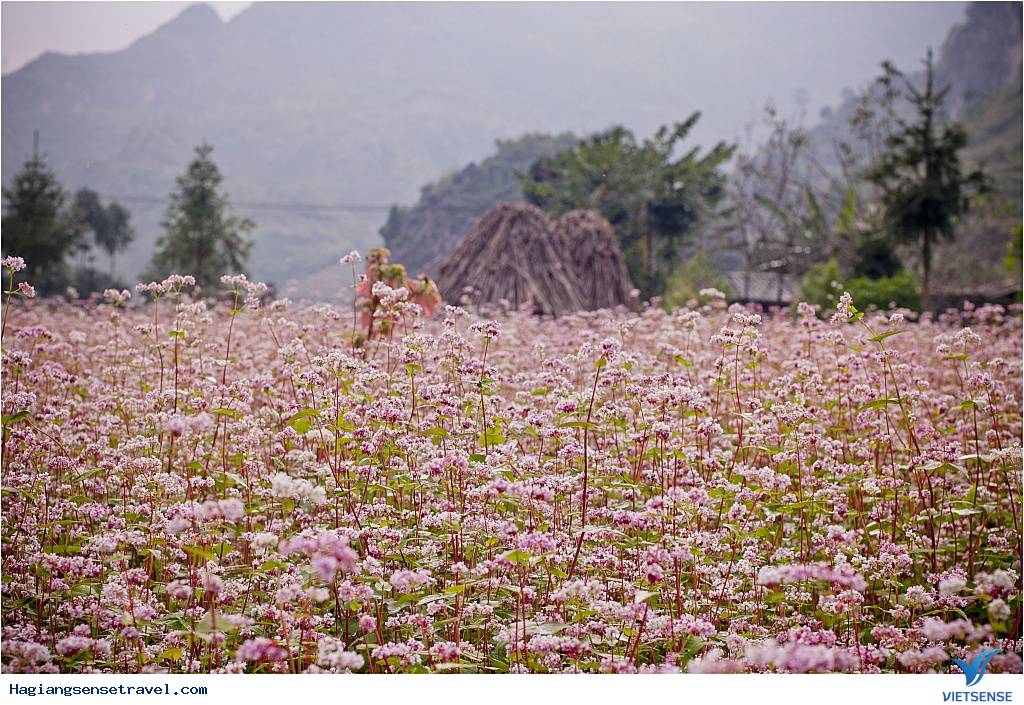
(321, 105)
(982, 55)
(981, 61)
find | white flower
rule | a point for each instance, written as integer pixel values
(844, 310)
(283, 486)
(331, 653)
(265, 539)
(998, 610)
(952, 585)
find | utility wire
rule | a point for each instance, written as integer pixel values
(289, 207)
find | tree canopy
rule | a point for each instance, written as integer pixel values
(110, 225)
(924, 188)
(653, 193)
(38, 227)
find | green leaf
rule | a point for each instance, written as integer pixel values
(578, 424)
(457, 589)
(888, 334)
(429, 598)
(491, 437)
(302, 421)
(517, 557)
(965, 512)
(546, 628)
(877, 403)
(9, 419)
(200, 553)
(848, 214)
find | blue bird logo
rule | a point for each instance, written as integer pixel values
(975, 668)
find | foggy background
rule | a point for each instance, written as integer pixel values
(323, 115)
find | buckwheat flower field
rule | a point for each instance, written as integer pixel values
(238, 486)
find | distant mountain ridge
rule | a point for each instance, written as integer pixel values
(982, 55)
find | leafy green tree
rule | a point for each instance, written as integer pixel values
(653, 194)
(924, 189)
(110, 225)
(690, 278)
(38, 227)
(874, 257)
(202, 236)
(824, 283)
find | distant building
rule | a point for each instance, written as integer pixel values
(1003, 291)
(764, 288)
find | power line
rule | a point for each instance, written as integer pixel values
(262, 205)
(296, 207)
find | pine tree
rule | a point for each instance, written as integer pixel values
(38, 228)
(202, 236)
(923, 186)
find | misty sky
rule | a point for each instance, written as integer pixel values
(898, 31)
(31, 28)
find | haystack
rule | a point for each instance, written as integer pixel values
(512, 254)
(596, 259)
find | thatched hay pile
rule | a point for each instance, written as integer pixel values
(512, 254)
(596, 259)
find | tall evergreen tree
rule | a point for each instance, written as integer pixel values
(37, 226)
(202, 236)
(924, 189)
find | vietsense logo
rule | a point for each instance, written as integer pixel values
(974, 670)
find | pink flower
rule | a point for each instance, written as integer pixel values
(410, 580)
(14, 264)
(259, 650)
(367, 623)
